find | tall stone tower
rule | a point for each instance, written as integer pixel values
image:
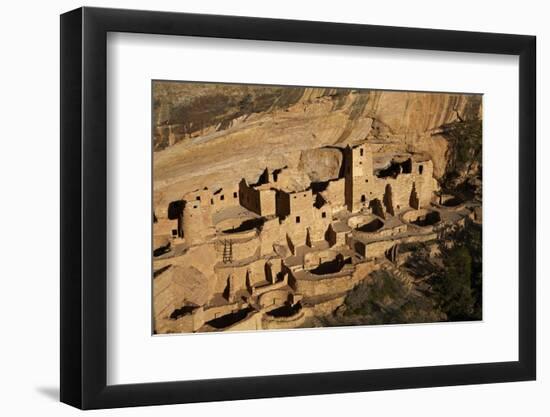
(197, 221)
(359, 176)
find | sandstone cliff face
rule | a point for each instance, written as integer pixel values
(219, 133)
(321, 164)
(186, 110)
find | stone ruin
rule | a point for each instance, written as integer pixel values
(268, 255)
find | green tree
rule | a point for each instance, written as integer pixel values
(465, 138)
(454, 286)
(474, 244)
(464, 154)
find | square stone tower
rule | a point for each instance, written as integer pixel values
(359, 176)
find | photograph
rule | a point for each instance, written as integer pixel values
(297, 207)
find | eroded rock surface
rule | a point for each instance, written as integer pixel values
(321, 164)
(221, 133)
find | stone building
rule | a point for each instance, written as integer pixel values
(282, 252)
(406, 182)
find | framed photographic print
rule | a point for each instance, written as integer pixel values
(257, 208)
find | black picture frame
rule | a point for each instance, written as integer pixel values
(84, 207)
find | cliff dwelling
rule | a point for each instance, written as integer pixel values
(274, 247)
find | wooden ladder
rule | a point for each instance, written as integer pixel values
(227, 251)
